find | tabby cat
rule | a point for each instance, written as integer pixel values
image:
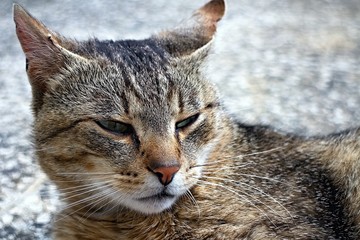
(140, 147)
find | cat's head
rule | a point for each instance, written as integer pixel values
(124, 123)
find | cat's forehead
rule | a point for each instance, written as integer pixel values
(137, 55)
(136, 62)
(138, 77)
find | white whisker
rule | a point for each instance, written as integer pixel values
(233, 159)
(193, 200)
(82, 189)
(260, 191)
(105, 197)
(88, 174)
(88, 199)
(239, 195)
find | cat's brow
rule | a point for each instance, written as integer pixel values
(212, 105)
(61, 130)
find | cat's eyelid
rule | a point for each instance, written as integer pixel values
(208, 106)
(112, 118)
(187, 122)
(187, 116)
(116, 127)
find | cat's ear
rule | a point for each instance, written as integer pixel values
(194, 33)
(46, 52)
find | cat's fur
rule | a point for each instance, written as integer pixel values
(231, 181)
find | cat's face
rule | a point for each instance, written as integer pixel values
(114, 130)
(120, 124)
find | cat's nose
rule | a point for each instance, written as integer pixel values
(165, 173)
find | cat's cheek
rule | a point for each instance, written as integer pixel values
(199, 157)
(204, 153)
(179, 185)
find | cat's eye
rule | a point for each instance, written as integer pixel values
(186, 122)
(116, 127)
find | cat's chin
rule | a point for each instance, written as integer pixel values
(152, 204)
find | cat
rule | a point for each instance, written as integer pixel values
(140, 147)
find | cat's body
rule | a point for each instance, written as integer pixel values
(140, 147)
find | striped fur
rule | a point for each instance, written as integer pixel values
(224, 180)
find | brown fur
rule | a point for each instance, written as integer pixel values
(232, 181)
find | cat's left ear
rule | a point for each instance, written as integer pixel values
(194, 33)
(46, 52)
(40, 45)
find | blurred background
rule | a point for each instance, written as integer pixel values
(292, 64)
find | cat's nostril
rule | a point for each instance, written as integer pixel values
(165, 174)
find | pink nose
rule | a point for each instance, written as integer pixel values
(165, 174)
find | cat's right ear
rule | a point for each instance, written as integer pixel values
(46, 52)
(194, 33)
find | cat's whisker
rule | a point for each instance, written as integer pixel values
(262, 177)
(238, 195)
(216, 168)
(261, 152)
(117, 198)
(248, 175)
(118, 202)
(247, 194)
(214, 162)
(74, 188)
(81, 188)
(94, 177)
(69, 181)
(82, 181)
(233, 159)
(79, 180)
(189, 195)
(89, 173)
(95, 189)
(49, 149)
(89, 199)
(83, 200)
(104, 198)
(215, 165)
(258, 190)
(252, 154)
(57, 150)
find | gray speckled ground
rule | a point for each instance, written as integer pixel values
(293, 64)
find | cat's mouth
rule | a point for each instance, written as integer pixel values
(157, 197)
